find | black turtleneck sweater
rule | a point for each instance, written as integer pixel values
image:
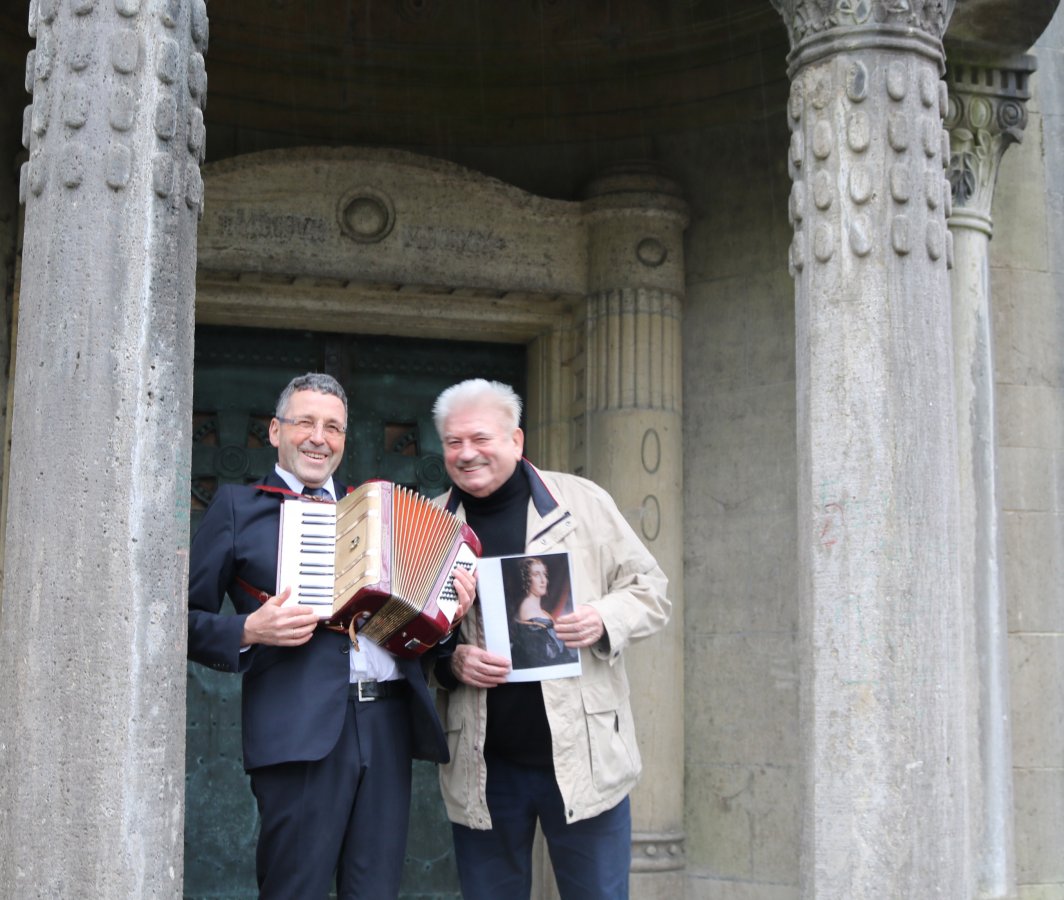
(517, 728)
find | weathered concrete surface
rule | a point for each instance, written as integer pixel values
(1027, 286)
(93, 623)
(880, 642)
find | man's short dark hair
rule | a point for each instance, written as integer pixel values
(312, 381)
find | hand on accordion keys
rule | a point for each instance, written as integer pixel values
(465, 586)
(282, 626)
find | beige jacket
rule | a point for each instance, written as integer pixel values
(596, 760)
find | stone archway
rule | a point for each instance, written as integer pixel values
(387, 242)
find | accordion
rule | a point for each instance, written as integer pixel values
(380, 562)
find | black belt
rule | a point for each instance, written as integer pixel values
(369, 690)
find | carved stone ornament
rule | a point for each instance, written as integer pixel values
(805, 18)
(366, 215)
(987, 113)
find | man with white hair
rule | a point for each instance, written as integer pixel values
(561, 752)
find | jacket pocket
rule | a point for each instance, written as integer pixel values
(615, 758)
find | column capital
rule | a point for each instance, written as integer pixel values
(987, 113)
(819, 28)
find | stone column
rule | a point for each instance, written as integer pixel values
(882, 690)
(633, 448)
(92, 634)
(986, 114)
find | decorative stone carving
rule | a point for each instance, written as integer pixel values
(869, 126)
(872, 330)
(987, 112)
(810, 18)
(366, 215)
(658, 852)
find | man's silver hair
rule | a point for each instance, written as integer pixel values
(312, 381)
(477, 392)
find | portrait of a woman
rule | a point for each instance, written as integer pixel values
(533, 640)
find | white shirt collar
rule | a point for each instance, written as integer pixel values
(296, 485)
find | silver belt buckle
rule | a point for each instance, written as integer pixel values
(361, 698)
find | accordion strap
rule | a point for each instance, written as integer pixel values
(287, 492)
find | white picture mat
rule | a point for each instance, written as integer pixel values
(491, 589)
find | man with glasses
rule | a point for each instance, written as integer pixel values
(329, 728)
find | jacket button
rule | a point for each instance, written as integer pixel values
(345, 646)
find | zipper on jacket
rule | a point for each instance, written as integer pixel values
(554, 524)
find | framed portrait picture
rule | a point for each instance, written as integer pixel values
(520, 599)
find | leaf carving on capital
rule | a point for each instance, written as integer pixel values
(986, 113)
(973, 161)
(806, 18)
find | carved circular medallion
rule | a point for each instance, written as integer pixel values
(860, 185)
(935, 242)
(651, 451)
(366, 215)
(858, 132)
(232, 461)
(980, 112)
(431, 472)
(1012, 114)
(928, 88)
(651, 252)
(650, 518)
(857, 82)
(797, 255)
(796, 99)
(823, 190)
(953, 113)
(823, 139)
(860, 236)
(823, 243)
(897, 80)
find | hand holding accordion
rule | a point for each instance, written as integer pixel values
(379, 562)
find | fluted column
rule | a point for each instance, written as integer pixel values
(633, 448)
(987, 113)
(92, 629)
(882, 689)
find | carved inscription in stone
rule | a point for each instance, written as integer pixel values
(256, 225)
(458, 241)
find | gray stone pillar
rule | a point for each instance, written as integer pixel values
(633, 436)
(92, 634)
(987, 113)
(882, 688)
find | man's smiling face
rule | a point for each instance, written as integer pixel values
(480, 449)
(310, 452)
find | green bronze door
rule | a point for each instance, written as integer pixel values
(391, 384)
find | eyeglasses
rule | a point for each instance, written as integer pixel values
(308, 426)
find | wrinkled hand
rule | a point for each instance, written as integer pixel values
(581, 628)
(465, 585)
(478, 668)
(281, 626)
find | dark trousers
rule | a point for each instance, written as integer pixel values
(345, 814)
(591, 858)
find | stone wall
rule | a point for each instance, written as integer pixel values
(1027, 285)
(742, 789)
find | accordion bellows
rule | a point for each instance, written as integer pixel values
(383, 559)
